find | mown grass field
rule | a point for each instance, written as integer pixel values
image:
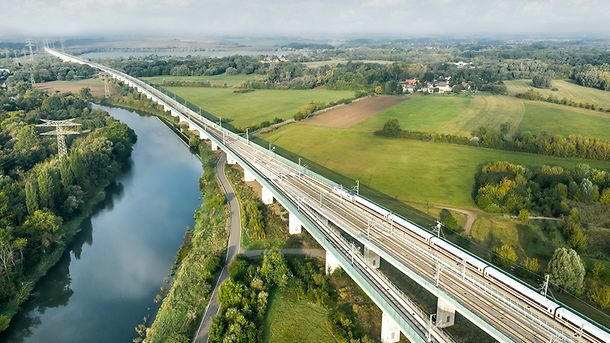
(409, 170)
(291, 320)
(460, 115)
(74, 86)
(566, 89)
(252, 108)
(221, 80)
(564, 120)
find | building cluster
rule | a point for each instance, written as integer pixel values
(462, 64)
(437, 86)
(273, 59)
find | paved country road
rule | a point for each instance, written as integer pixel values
(232, 250)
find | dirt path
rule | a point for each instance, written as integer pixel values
(471, 216)
(351, 114)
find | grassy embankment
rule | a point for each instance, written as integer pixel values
(198, 261)
(252, 108)
(274, 219)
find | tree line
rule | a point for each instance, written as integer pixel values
(50, 69)
(537, 143)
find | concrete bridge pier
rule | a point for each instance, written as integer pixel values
(445, 314)
(331, 264)
(390, 331)
(248, 177)
(294, 224)
(214, 146)
(266, 196)
(230, 159)
(371, 258)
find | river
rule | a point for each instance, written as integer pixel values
(104, 285)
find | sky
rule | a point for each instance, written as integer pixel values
(198, 18)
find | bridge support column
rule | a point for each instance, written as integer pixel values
(266, 196)
(214, 146)
(230, 159)
(331, 264)
(445, 314)
(390, 331)
(174, 113)
(248, 177)
(294, 224)
(372, 259)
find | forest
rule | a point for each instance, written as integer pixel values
(38, 191)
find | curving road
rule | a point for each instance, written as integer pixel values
(233, 248)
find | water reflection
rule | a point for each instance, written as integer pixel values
(101, 288)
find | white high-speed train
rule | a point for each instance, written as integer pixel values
(554, 310)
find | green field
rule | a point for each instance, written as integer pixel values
(564, 120)
(566, 89)
(409, 170)
(252, 108)
(222, 80)
(291, 320)
(318, 64)
(460, 115)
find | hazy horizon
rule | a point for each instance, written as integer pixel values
(192, 19)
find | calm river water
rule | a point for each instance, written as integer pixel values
(105, 284)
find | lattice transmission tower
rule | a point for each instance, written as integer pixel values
(61, 131)
(106, 79)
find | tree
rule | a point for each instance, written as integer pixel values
(604, 198)
(85, 93)
(391, 128)
(255, 220)
(231, 293)
(600, 294)
(524, 216)
(532, 264)
(31, 197)
(47, 187)
(274, 269)
(597, 270)
(507, 255)
(578, 239)
(378, 90)
(566, 270)
(448, 220)
(44, 227)
(65, 173)
(541, 81)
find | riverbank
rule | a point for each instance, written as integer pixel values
(180, 311)
(108, 276)
(58, 206)
(71, 228)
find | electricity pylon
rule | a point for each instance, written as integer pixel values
(29, 44)
(106, 86)
(61, 132)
